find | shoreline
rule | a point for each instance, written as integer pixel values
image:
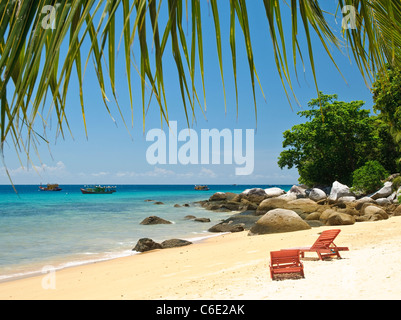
(234, 266)
(101, 257)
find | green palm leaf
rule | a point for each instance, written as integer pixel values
(37, 76)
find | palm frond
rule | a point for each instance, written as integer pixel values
(35, 70)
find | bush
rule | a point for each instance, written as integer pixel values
(396, 183)
(368, 177)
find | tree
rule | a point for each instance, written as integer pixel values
(32, 33)
(387, 98)
(369, 177)
(338, 138)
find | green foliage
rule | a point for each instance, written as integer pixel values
(368, 178)
(396, 183)
(338, 138)
(387, 98)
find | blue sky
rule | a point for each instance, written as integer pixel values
(114, 155)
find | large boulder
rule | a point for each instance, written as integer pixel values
(174, 243)
(383, 202)
(288, 196)
(397, 211)
(218, 196)
(274, 192)
(360, 202)
(204, 220)
(317, 194)
(374, 213)
(227, 227)
(277, 221)
(146, 244)
(340, 219)
(303, 205)
(299, 191)
(339, 190)
(383, 192)
(154, 220)
(270, 204)
(256, 195)
(325, 215)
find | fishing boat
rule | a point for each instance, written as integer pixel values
(50, 187)
(202, 188)
(98, 190)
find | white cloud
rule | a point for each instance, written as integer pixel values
(207, 173)
(34, 174)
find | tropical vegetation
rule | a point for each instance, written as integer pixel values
(369, 177)
(338, 138)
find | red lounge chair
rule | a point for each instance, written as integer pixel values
(285, 261)
(324, 245)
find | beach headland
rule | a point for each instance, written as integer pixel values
(235, 265)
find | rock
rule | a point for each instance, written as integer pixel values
(383, 192)
(189, 217)
(146, 244)
(325, 215)
(270, 204)
(244, 219)
(149, 200)
(374, 213)
(346, 199)
(304, 205)
(233, 206)
(397, 211)
(279, 220)
(339, 190)
(177, 206)
(227, 227)
(288, 196)
(255, 191)
(360, 202)
(340, 219)
(313, 216)
(154, 220)
(174, 243)
(317, 194)
(383, 201)
(158, 202)
(256, 195)
(218, 196)
(299, 191)
(247, 205)
(230, 196)
(202, 219)
(274, 192)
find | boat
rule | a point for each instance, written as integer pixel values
(98, 190)
(50, 187)
(202, 188)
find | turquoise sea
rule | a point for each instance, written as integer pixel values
(66, 228)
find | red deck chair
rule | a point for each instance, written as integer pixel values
(285, 262)
(324, 245)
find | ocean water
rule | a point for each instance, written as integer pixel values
(65, 228)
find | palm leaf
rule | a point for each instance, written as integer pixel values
(35, 71)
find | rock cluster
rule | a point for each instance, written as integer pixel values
(273, 210)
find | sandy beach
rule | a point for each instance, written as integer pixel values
(234, 266)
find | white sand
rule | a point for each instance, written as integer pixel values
(235, 266)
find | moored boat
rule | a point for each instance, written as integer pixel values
(202, 188)
(98, 190)
(50, 187)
